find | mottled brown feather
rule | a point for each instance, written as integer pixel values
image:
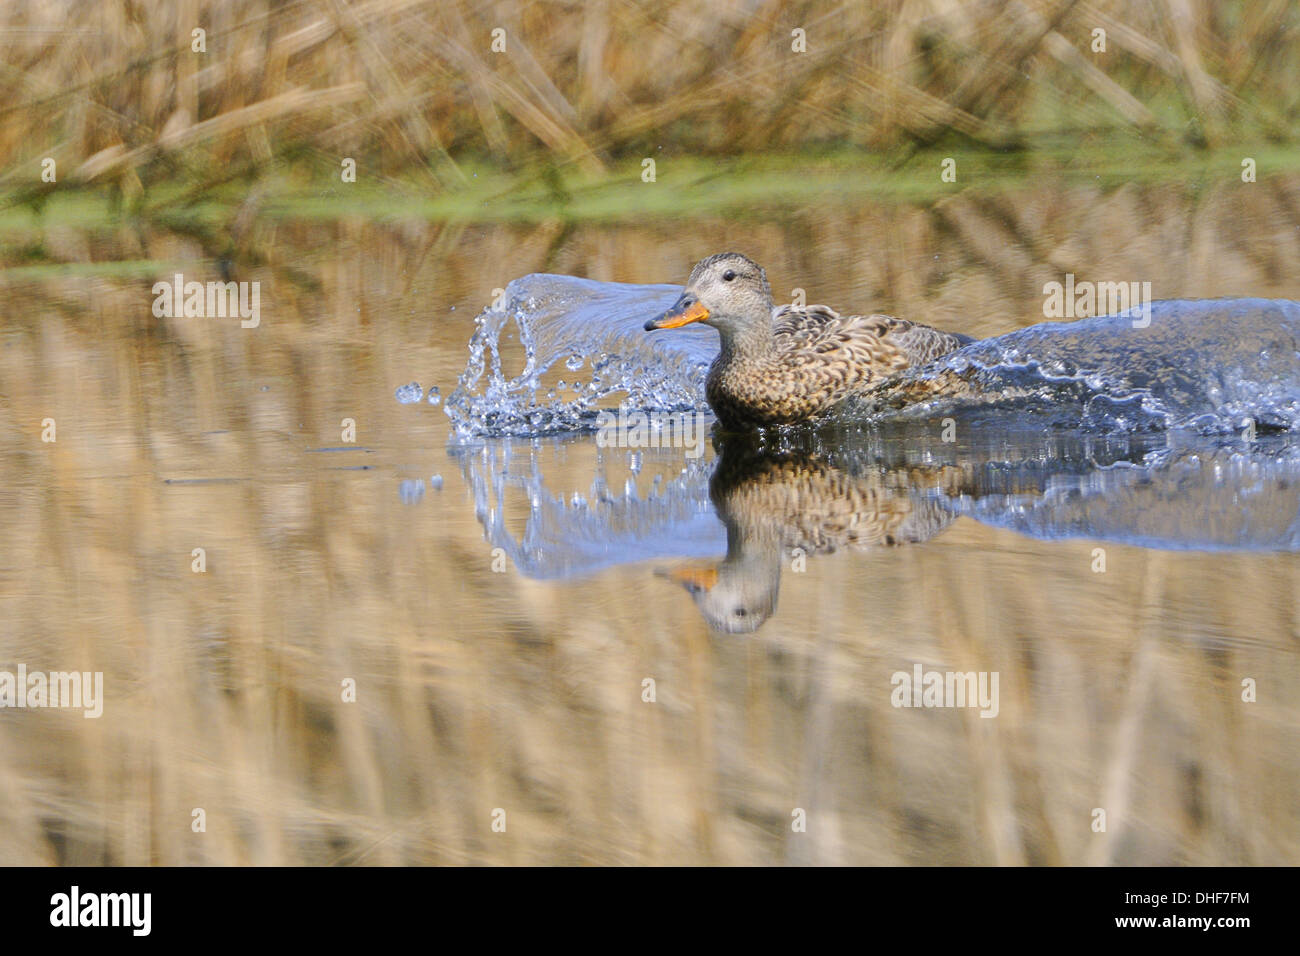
(821, 358)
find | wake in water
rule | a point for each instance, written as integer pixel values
(1213, 366)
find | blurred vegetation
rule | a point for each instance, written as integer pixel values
(414, 91)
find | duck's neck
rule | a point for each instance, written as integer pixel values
(753, 554)
(747, 341)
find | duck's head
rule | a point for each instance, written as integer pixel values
(732, 598)
(727, 291)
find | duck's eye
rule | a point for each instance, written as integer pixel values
(728, 275)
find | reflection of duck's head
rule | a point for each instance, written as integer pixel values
(734, 596)
(727, 291)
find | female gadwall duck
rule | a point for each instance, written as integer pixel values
(792, 364)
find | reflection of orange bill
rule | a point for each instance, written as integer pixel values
(675, 320)
(695, 577)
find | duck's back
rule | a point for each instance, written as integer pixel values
(923, 343)
(822, 357)
(878, 345)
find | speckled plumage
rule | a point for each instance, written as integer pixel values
(793, 363)
(820, 358)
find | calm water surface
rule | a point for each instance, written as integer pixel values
(501, 604)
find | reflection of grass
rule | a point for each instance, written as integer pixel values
(686, 186)
(125, 269)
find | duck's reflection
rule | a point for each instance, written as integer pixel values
(771, 507)
(780, 508)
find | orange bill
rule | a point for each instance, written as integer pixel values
(695, 577)
(676, 317)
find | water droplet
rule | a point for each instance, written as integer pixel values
(574, 363)
(411, 491)
(409, 394)
(434, 395)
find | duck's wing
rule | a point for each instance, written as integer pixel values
(817, 328)
(921, 343)
(832, 356)
(816, 335)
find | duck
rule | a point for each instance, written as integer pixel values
(794, 363)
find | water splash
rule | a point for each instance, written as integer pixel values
(594, 327)
(1211, 366)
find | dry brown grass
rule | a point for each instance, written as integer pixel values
(114, 93)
